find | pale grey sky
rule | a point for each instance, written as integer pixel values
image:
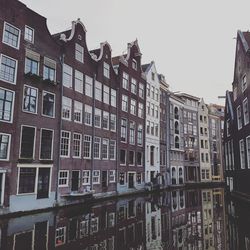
(190, 41)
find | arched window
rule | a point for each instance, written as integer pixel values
(173, 175)
(177, 142)
(176, 113)
(176, 127)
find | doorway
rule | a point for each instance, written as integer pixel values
(43, 183)
(131, 180)
(75, 180)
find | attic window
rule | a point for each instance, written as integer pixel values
(134, 64)
(79, 52)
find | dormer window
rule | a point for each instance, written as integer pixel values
(79, 52)
(134, 64)
(106, 70)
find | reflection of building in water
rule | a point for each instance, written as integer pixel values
(178, 218)
(153, 226)
(194, 223)
(207, 218)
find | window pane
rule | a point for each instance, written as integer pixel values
(27, 143)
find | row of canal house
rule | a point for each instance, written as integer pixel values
(75, 121)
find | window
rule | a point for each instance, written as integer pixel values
(131, 158)
(63, 178)
(60, 238)
(77, 112)
(65, 144)
(152, 128)
(88, 115)
(8, 69)
(6, 105)
(105, 120)
(97, 120)
(139, 135)
(245, 111)
(123, 130)
(31, 65)
(79, 52)
(46, 147)
(139, 158)
(125, 80)
(248, 151)
(87, 147)
(106, 69)
(133, 85)
(49, 69)
(48, 104)
(177, 142)
(77, 145)
(148, 127)
(148, 90)
(112, 150)
(97, 147)
(141, 90)
(11, 35)
(239, 118)
(30, 99)
(153, 76)
(88, 86)
(111, 176)
(122, 178)
(66, 108)
(157, 95)
(148, 108)
(132, 133)
(85, 177)
(242, 154)
(105, 147)
(27, 142)
(96, 177)
(113, 98)
(29, 34)
(78, 81)
(133, 107)
(152, 109)
(140, 110)
(244, 83)
(134, 64)
(125, 103)
(122, 157)
(27, 179)
(67, 76)
(152, 155)
(138, 178)
(152, 92)
(112, 122)
(4, 146)
(98, 91)
(156, 130)
(106, 94)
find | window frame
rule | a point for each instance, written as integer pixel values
(54, 104)
(69, 140)
(80, 146)
(12, 105)
(37, 93)
(9, 145)
(16, 68)
(19, 35)
(67, 178)
(79, 51)
(52, 143)
(33, 34)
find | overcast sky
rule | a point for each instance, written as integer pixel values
(192, 42)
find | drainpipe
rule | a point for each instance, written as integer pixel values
(60, 129)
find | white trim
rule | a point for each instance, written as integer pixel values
(99, 175)
(80, 149)
(68, 155)
(37, 93)
(9, 144)
(89, 176)
(24, 232)
(33, 34)
(114, 171)
(34, 141)
(243, 107)
(13, 104)
(52, 143)
(248, 156)
(238, 125)
(16, 68)
(54, 108)
(67, 180)
(19, 35)
(3, 172)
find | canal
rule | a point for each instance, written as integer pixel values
(177, 219)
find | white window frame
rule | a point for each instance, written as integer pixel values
(133, 106)
(16, 68)
(242, 156)
(98, 112)
(88, 176)
(125, 103)
(244, 83)
(106, 70)
(112, 173)
(78, 78)
(69, 138)
(88, 110)
(105, 113)
(98, 91)
(9, 144)
(78, 107)
(105, 141)
(125, 80)
(113, 118)
(35, 113)
(25, 33)
(248, 151)
(13, 104)
(96, 176)
(90, 145)
(64, 236)
(69, 101)
(89, 82)
(113, 97)
(246, 119)
(54, 108)
(106, 94)
(99, 151)
(134, 64)
(113, 158)
(239, 117)
(19, 35)
(133, 86)
(67, 178)
(79, 50)
(80, 145)
(68, 71)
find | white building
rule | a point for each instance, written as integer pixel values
(152, 148)
(205, 164)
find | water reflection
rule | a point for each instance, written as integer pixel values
(180, 219)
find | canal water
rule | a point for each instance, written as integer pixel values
(179, 219)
